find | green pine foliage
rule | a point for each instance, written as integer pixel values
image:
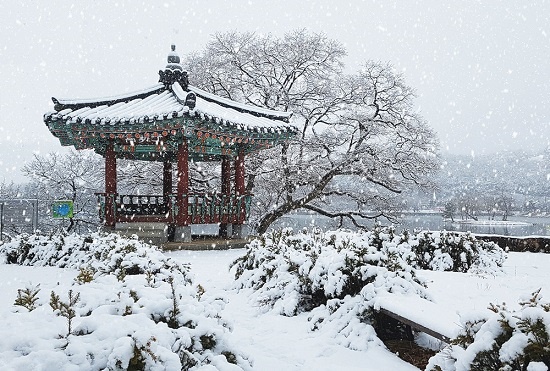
(28, 297)
(85, 275)
(316, 267)
(140, 354)
(501, 339)
(103, 253)
(457, 252)
(174, 312)
(141, 305)
(65, 309)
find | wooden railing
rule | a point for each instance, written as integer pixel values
(142, 205)
(217, 208)
(203, 208)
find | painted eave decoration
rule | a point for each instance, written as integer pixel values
(149, 124)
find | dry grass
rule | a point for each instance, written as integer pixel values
(410, 352)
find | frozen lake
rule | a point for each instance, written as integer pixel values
(537, 226)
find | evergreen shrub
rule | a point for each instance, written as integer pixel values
(457, 252)
(501, 339)
(129, 308)
(337, 276)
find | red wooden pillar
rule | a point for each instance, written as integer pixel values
(183, 230)
(110, 186)
(226, 196)
(239, 173)
(240, 191)
(167, 196)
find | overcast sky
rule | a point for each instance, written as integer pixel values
(480, 68)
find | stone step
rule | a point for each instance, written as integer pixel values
(154, 233)
(213, 243)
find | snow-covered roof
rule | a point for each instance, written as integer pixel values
(280, 115)
(171, 110)
(160, 103)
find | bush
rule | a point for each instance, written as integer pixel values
(501, 339)
(299, 272)
(457, 252)
(140, 311)
(336, 275)
(98, 252)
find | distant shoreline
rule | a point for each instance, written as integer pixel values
(485, 222)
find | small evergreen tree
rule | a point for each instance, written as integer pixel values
(86, 275)
(28, 297)
(502, 339)
(65, 309)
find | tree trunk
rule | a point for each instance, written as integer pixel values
(271, 217)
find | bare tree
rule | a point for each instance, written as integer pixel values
(506, 204)
(10, 190)
(146, 177)
(74, 176)
(361, 142)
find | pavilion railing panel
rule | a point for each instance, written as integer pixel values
(142, 205)
(204, 208)
(209, 208)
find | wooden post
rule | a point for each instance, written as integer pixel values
(240, 191)
(183, 230)
(226, 195)
(110, 186)
(239, 174)
(167, 197)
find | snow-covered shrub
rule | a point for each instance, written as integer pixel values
(298, 272)
(448, 251)
(501, 339)
(99, 252)
(337, 275)
(139, 312)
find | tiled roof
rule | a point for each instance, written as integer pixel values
(162, 102)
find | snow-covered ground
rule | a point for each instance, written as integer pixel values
(275, 342)
(284, 343)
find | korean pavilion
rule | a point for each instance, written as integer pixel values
(171, 122)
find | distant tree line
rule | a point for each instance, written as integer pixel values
(495, 186)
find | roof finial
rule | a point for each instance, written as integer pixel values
(173, 58)
(173, 70)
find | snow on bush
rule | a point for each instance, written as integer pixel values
(448, 251)
(336, 274)
(501, 339)
(101, 253)
(130, 308)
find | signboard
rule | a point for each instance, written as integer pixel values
(62, 209)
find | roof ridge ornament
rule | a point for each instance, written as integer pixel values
(173, 57)
(173, 72)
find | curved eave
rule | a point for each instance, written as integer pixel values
(165, 122)
(206, 136)
(163, 112)
(240, 107)
(75, 104)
